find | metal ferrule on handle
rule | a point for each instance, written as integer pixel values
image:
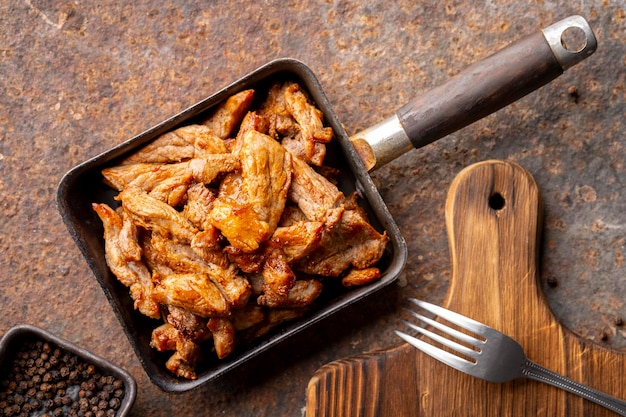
(475, 92)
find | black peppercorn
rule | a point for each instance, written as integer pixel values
(115, 403)
(49, 403)
(47, 381)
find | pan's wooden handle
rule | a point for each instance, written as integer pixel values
(477, 91)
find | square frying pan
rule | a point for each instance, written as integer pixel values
(472, 94)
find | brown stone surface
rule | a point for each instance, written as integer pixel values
(79, 77)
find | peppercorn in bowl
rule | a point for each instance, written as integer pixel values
(42, 374)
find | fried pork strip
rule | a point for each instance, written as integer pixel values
(353, 242)
(180, 258)
(223, 336)
(193, 292)
(239, 223)
(153, 214)
(229, 114)
(303, 293)
(359, 277)
(276, 272)
(147, 176)
(313, 193)
(298, 239)
(266, 175)
(123, 255)
(310, 143)
(187, 142)
(248, 208)
(187, 353)
(199, 202)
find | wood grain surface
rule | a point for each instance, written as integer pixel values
(493, 218)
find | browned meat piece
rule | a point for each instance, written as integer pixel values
(232, 187)
(252, 121)
(223, 336)
(199, 201)
(283, 103)
(197, 211)
(311, 152)
(192, 327)
(151, 256)
(262, 186)
(180, 367)
(209, 239)
(187, 142)
(291, 215)
(358, 277)
(149, 176)
(153, 214)
(193, 292)
(280, 122)
(248, 262)
(266, 175)
(183, 362)
(299, 239)
(235, 287)
(282, 127)
(164, 338)
(303, 293)
(239, 224)
(313, 134)
(183, 259)
(249, 215)
(172, 190)
(274, 103)
(228, 114)
(308, 116)
(276, 273)
(123, 255)
(313, 193)
(352, 242)
(257, 284)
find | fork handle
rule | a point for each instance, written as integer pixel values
(537, 372)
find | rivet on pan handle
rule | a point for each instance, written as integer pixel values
(475, 92)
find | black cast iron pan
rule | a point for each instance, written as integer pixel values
(477, 91)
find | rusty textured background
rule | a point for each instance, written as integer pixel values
(78, 77)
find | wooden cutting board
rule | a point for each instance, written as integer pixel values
(493, 218)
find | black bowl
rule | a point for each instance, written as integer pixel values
(83, 185)
(22, 339)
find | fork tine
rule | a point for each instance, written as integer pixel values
(449, 330)
(451, 316)
(443, 340)
(441, 355)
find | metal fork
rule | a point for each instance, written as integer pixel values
(493, 356)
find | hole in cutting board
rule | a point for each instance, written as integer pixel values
(496, 201)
